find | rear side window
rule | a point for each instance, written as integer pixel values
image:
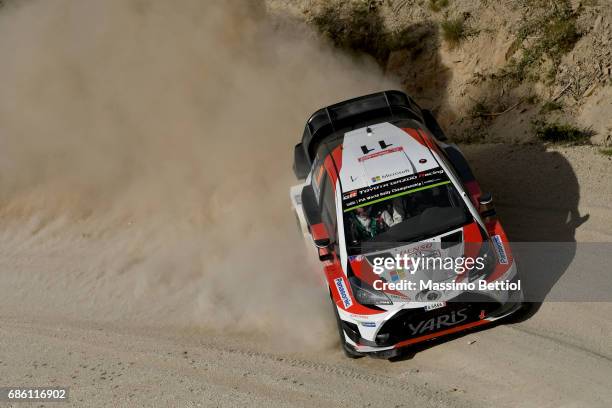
(328, 207)
(318, 175)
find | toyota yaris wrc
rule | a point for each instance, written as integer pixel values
(394, 214)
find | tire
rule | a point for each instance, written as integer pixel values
(348, 350)
(525, 312)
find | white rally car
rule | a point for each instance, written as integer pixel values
(378, 182)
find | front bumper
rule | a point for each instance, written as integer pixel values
(383, 334)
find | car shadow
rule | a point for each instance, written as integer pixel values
(536, 196)
(410, 352)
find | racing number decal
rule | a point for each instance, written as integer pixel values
(383, 145)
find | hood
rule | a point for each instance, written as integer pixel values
(437, 259)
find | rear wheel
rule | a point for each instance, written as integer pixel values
(348, 350)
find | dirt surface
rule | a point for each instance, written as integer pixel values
(560, 357)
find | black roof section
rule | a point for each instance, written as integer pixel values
(355, 113)
(333, 121)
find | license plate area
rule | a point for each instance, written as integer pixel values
(434, 305)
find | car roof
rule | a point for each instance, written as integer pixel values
(381, 153)
(334, 120)
(378, 153)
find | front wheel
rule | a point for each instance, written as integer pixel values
(524, 312)
(348, 350)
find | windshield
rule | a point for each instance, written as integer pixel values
(407, 217)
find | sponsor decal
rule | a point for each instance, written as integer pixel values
(343, 292)
(368, 324)
(419, 249)
(394, 174)
(394, 276)
(398, 298)
(386, 176)
(381, 153)
(385, 190)
(416, 248)
(439, 322)
(499, 248)
(430, 253)
(350, 195)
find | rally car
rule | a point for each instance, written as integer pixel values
(378, 181)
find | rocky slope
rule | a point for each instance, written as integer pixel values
(492, 70)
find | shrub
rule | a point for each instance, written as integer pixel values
(606, 152)
(437, 5)
(562, 133)
(551, 35)
(354, 26)
(453, 31)
(560, 36)
(550, 106)
(357, 26)
(479, 109)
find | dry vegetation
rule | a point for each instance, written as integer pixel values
(453, 31)
(489, 69)
(562, 133)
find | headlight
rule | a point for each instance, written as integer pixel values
(367, 295)
(489, 260)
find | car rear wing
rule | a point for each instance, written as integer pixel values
(351, 114)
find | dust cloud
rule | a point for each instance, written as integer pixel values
(145, 160)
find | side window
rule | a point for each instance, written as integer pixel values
(317, 178)
(328, 208)
(459, 175)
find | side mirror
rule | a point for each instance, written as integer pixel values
(325, 255)
(486, 208)
(317, 229)
(320, 236)
(485, 199)
(322, 242)
(310, 206)
(301, 164)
